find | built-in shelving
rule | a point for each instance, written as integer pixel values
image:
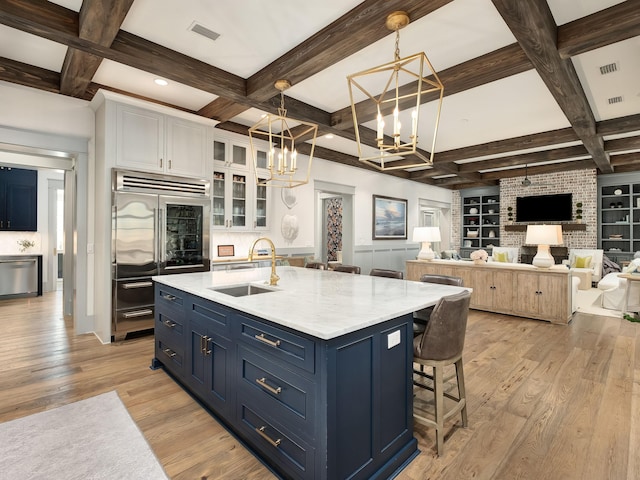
(480, 219)
(619, 215)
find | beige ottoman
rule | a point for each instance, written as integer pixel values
(584, 276)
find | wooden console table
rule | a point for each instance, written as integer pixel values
(513, 289)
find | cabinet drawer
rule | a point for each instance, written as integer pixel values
(286, 346)
(169, 325)
(168, 299)
(291, 455)
(170, 354)
(276, 390)
(132, 293)
(216, 317)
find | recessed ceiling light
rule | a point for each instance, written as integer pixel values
(329, 136)
(161, 82)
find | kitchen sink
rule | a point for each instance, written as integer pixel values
(243, 290)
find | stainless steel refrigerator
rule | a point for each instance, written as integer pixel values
(160, 226)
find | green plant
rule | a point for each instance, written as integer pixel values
(579, 210)
(510, 213)
(631, 318)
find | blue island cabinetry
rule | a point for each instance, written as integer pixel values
(309, 408)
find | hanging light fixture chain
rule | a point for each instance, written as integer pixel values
(397, 52)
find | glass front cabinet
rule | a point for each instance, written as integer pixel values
(238, 203)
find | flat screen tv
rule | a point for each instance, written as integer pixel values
(544, 208)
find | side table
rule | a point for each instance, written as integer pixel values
(630, 277)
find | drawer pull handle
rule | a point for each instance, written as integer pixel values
(169, 353)
(262, 433)
(171, 298)
(128, 286)
(170, 323)
(264, 339)
(139, 313)
(263, 383)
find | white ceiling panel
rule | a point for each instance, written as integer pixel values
(142, 83)
(27, 48)
(565, 11)
(623, 83)
(511, 107)
(253, 33)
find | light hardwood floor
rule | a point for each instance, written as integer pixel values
(544, 401)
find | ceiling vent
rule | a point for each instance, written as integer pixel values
(204, 31)
(609, 68)
(613, 100)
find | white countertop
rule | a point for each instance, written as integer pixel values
(321, 303)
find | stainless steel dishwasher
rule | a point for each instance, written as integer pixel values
(19, 275)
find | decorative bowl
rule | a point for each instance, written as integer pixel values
(472, 233)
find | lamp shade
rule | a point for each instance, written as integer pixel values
(544, 235)
(426, 234)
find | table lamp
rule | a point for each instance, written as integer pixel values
(426, 235)
(543, 236)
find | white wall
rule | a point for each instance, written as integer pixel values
(366, 183)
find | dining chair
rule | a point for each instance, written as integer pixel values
(316, 265)
(439, 346)
(383, 272)
(347, 269)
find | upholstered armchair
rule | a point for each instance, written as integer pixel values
(505, 254)
(582, 259)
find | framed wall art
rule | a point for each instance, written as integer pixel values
(389, 218)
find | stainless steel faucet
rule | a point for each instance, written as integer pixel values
(273, 280)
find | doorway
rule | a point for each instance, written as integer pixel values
(334, 222)
(55, 265)
(436, 214)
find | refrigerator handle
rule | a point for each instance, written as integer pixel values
(159, 238)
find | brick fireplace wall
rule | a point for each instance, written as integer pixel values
(581, 183)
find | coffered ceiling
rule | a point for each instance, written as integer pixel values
(547, 86)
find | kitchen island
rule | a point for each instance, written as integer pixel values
(313, 374)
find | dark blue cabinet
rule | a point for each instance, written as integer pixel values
(209, 357)
(310, 408)
(18, 199)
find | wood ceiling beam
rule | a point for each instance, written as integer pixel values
(630, 123)
(628, 161)
(614, 24)
(533, 26)
(541, 169)
(536, 140)
(526, 158)
(99, 22)
(622, 144)
(29, 75)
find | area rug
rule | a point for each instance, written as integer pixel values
(589, 302)
(94, 438)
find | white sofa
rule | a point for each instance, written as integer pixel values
(513, 254)
(613, 291)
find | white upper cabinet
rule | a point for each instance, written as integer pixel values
(153, 142)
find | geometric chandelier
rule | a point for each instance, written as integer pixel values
(393, 94)
(281, 133)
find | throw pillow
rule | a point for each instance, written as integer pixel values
(583, 262)
(501, 257)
